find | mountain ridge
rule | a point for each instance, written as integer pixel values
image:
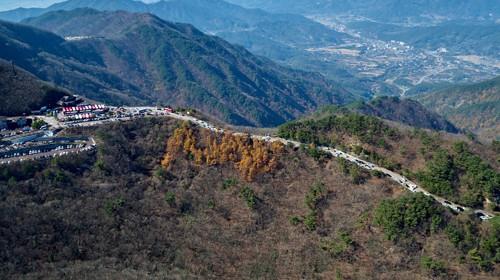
(151, 60)
(386, 10)
(90, 214)
(474, 107)
(280, 36)
(404, 111)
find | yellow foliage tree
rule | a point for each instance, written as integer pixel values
(251, 157)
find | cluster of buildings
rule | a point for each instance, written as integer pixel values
(83, 112)
(84, 108)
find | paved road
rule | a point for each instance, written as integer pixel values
(401, 180)
(406, 183)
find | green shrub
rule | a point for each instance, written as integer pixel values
(295, 220)
(496, 146)
(481, 243)
(344, 165)
(112, 206)
(311, 220)
(38, 123)
(352, 170)
(56, 176)
(228, 183)
(356, 174)
(160, 173)
(435, 267)
(437, 223)
(378, 174)
(338, 246)
(249, 197)
(211, 204)
(170, 198)
(316, 131)
(440, 174)
(461, 176)
(314, 195)
(316, 154)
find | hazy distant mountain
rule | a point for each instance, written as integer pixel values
(213, 16)
(23, 13)
(138, 58)
(21, 92)
(385, 10)
(13, 4)
(474, 107)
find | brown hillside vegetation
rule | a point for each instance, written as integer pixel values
(475, 107)
(251, 157)
(118, 214)
(452, 166)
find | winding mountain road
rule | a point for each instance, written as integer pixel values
(401, 180)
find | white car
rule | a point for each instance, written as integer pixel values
(447, 203)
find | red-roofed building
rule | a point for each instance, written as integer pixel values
(85, 108)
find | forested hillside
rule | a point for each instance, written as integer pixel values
(445, 165)
(212, 16)
(382, 188)
(282, 37)
(120, 213)
(404, 111)
(473, 107)
(21, 92)
(141, 59)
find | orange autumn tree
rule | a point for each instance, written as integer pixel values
(251, 157)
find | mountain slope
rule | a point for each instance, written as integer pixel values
(21, 92)
(474, 107)
(211, 16)
(281, 37)
(138, 58)
(118, 214)
(405, 111)
(74, 66)
(398, 111)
